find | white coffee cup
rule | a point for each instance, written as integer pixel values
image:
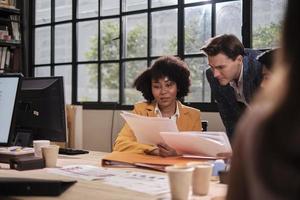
(50, 154)
(201, 177)
(37, 144)
(180, 178)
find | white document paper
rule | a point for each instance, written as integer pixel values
(147, 129)
(198, 143)
(150, 183)
(86, 172)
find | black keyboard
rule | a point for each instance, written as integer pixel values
(70, 151)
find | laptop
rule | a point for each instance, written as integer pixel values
(17, 186)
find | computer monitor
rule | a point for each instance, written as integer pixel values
(9, 87)
(41, 109)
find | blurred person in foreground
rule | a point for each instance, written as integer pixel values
(266, 156)
(162, 85)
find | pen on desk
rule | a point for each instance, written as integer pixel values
(16, 149)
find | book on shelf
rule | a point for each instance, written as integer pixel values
(4, 34)
(10, 4)
(10, 37)
(1, 49)
(15, 64)
(3, 56)
(7, 59)
(15, 25)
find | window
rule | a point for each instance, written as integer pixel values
(229, 18)
(164, 32)
(267, 20)
(101, 46)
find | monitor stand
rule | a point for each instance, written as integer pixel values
(23, 139)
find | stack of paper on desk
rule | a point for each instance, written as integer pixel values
(198, 143)
(154, 130)
(7, 153)
(147, 129)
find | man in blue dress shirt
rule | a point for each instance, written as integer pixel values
(234, 76)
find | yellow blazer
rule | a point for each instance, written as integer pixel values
(189, 120)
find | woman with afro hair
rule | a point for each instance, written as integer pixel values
(163, 84)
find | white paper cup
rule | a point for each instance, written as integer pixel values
(180, 178)
(37, 144)
(50, 154)
(201, 177)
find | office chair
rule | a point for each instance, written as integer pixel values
(204, 125)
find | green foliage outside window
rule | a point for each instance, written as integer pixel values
(109, 43)
(266, 36)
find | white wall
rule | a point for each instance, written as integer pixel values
(98, 125)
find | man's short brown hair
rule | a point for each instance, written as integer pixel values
(227, 44)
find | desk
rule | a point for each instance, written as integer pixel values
(86, 190)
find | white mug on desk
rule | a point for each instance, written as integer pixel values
(201, 177)
(37, 144)
(180, 178)
(50, 154)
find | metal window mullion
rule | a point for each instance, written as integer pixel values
(247, 23)
(149, 34)
(213, 33)
(99, 53)
(74, 53)
(52, 36)
(121, 68)
(162, 8)
(203, 86)
(197, 4)
(32, 43)
(213, 19)
(24, 56)
(180, 29)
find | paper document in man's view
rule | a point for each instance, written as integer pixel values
(197, 143)
(147, 129)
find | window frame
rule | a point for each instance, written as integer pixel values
(180, 6)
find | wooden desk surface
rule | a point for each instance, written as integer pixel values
(86, 190)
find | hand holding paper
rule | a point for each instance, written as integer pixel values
(198, 143)
(163, 132)
(165, 150)
(147, 129)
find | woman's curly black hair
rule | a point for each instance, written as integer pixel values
(166, 66)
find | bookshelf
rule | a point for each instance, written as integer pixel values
(10, 37)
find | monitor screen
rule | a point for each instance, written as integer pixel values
(9, 87)
(41, 109)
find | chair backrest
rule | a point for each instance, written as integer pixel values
(204, 125)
